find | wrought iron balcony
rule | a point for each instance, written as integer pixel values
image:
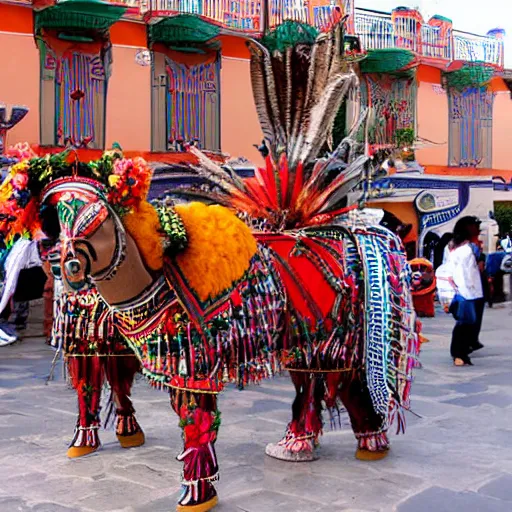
(403, 28)
(241, 15)
(471, 47)
(435, 39)
(246, 15)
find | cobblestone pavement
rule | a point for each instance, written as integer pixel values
(456, 457)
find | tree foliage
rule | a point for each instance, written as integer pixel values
(503, 216)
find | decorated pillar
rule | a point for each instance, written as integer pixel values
(407, 24)
(438, 43)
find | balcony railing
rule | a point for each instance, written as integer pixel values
(439, 41)
(245, 15)
(434, 39)
(470, 47)
(434, 45)
(241, 15)
(134, 4)
(376, 32)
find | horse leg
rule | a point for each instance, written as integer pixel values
(121, 370)
(200, 420)
(369, 427)
(301, 437)
(86, 375)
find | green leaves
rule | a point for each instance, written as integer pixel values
(404, 137)
(173, 227)
(503, 216)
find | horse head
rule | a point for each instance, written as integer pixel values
(90, 239)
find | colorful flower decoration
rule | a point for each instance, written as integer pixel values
(199, 426)
(129, 183)
(18, 209)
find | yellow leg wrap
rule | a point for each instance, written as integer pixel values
(137, 439)
(367, 455)
(81, 451)
(202, 507)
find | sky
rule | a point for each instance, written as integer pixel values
(476, 16)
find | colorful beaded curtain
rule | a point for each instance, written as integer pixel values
(470, 132)
(80, 91)
(193, 107)
(394, 104)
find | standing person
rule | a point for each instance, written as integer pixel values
(467, 282)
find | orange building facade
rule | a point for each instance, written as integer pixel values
(128, 98)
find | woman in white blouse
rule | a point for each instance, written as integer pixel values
(465, 277)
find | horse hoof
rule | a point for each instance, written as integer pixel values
(277, 451)
(367, 455)
(74, 452)
(201, 507)
(137, 439)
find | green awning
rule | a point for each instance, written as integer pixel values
(78, 15)
(392, 60)
(182, 31)
(475, 74)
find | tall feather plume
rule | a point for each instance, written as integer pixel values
(317, 63)
(259, 90)
(323, 115)
(278, 73)
(280, 139)
(301, 58)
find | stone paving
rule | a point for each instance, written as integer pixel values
(455, 457)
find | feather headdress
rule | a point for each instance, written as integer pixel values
(300, 78)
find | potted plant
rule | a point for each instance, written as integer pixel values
(404, 140)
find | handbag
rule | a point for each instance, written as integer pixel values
(463, 310)
(445, 290)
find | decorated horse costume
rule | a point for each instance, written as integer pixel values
(232, 306)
